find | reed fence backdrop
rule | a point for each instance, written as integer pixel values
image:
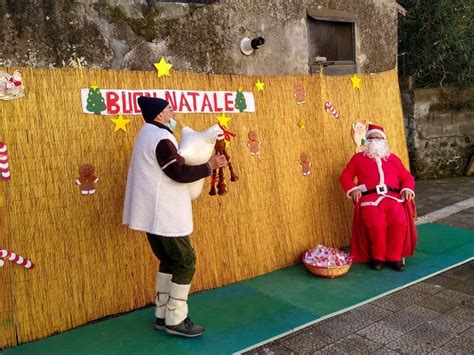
(88, 265)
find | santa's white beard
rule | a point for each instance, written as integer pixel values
(377, 149)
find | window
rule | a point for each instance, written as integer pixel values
(332, 39)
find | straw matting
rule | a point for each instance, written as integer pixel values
(89, 266)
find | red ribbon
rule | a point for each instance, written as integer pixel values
(227, 134)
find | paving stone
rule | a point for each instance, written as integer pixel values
(442, 281)
(407, 344)
(468, 304)
(466, 286)
(460, 345)
(371, 312)
(304, 343)
(273, 348)
(331, 330)
(437, 303)
(462, 272)
(338, 327)
(409, 318)
(469, 333)
(355, 344)
(444, 301)
(451, 323)
(380, 333)
(401, 299)
(461, 219)
(430, 334)
(440, 351)
(425, 288)
(384, 351)
(331, 349)
(395, 304)
(463, 312)
(355, 320)
(453, 295)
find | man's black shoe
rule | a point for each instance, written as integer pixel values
(376, 264)
(396, 265)
(160, 324)
(186, 329)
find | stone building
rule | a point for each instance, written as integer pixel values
(202, 35)
(300, 36)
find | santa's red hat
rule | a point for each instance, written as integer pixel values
(375, 129)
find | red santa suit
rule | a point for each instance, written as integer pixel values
(383, 226)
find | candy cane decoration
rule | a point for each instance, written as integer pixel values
(6, 254)
(4, 169)
(330, 108)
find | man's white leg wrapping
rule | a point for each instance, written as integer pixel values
(162, 289)
(177, 307)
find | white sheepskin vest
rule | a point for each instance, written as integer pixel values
(154, 203)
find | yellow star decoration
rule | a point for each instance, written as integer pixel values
(93, 87)
(356, 82)
(223, 120)
(163, 67)
(260, 86)
(120, 123)
(301, 123)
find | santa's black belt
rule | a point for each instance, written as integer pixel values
(374, 191)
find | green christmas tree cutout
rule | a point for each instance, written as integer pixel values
(95, 101)
(240, 103)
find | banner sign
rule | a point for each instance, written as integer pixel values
(114, 102)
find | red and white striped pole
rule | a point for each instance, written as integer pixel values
(4, 168)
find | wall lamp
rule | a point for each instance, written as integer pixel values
(247, 45)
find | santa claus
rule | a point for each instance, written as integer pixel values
(383, 228)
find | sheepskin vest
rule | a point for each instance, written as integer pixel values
(154, 203)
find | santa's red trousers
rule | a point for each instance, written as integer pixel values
(386, 225)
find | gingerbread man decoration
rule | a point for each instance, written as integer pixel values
(305, 164)
(300, 94)
(220, 148)
(253, 143)
(87, 179)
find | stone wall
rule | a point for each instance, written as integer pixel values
(407, 96)
(202, 36)
(440, 130)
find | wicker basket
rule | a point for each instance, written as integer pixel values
(330, 272)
